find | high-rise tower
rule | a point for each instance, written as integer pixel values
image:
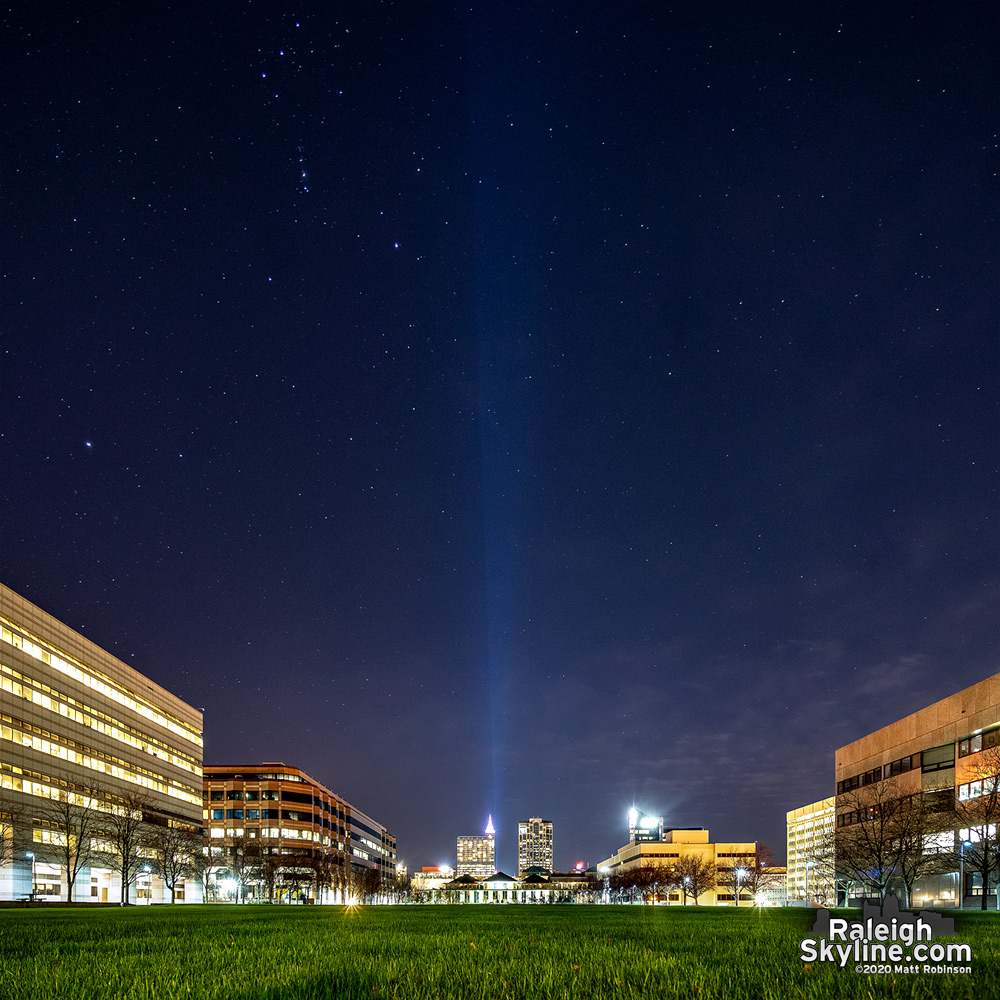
(534, 844)
(476, 856)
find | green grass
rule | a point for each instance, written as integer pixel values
(445, 952)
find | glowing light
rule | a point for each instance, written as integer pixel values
(633, 815)
(489, 826)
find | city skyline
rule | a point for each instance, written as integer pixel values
(481, 407)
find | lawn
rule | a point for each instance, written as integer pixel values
(444, 952)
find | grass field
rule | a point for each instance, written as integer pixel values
(377, 953)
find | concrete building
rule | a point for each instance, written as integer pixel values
(81, 735)
(288, 836)
(476, 855)
(936, 753)
(675, 845)
(775, 891)
(809, 842)
(534, 845)
(429, 880)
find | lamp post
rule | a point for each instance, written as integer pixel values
(809, 865)
(961, 874)
(149, 884)
(32, 856)
(741, 874)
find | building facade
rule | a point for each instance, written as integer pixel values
(678, 844)
(809, 842)
(501, 888)
(83, 738)
(475, 855)
(942, 755)
(273, 832)
(534, 845)
(426, 882)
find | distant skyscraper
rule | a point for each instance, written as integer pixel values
(477, 855)
(534, 844)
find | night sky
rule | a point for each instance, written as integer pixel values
(511, 408)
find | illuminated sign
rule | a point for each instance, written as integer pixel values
(643, 827)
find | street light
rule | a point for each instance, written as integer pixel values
(961, 875)
(149, 885)
(741, 874)
(32, 856)
(809, 865)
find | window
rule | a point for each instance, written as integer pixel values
(269, 814)
(269, 796)
(939, 801)
(217, 796)
(217, 813)
(234, 814)
(253, 814)
(252, 796)
(938, 758)
(235, 796)
(975, 789)
(981, 741)
(901, 766)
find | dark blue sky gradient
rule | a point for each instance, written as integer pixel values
(511, 409)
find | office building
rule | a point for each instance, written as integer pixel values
(289, 838)
(476, 855)
(81, 735)
(678, 844)
(810, 849)
(534, 845)
(948, 754)
(429, 880)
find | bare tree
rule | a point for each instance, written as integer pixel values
(178, 851)
(917, 821)
(327, 865)
(367, 883)
(761, 872)
(891, 837)
(297, 871)
(76, 820)
(400, 887)
(977, 817)
(127, 833)
(269, 866)
(624, 883)
(867, 847)
(652, 880)
(695, 876)
(244, 857)
(821, 870)
(11, 819)
(735, 874)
